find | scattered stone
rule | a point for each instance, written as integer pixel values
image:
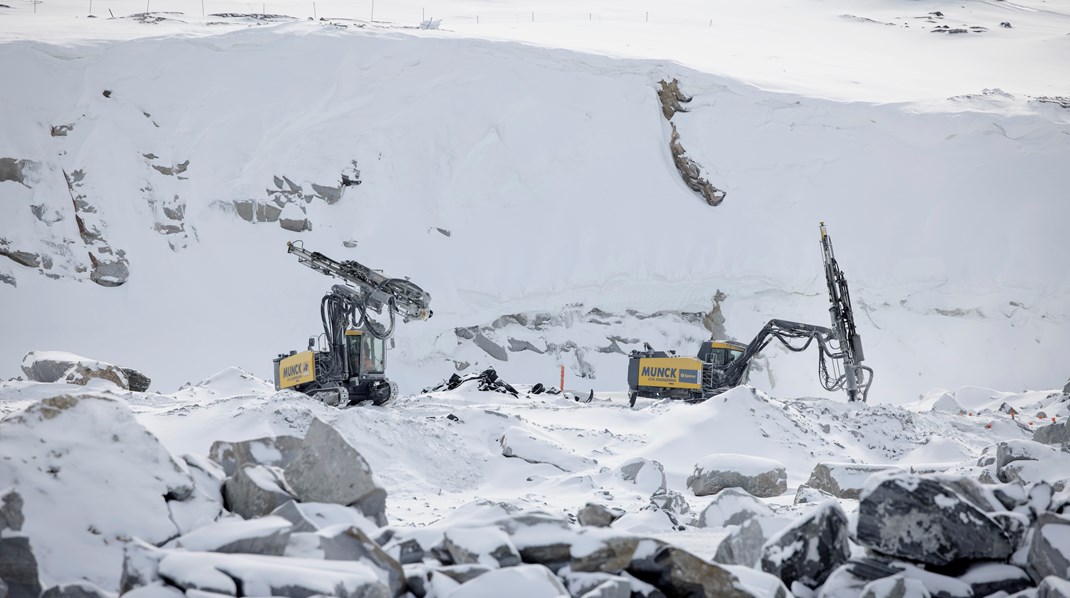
(329, 469)
(265, 535)
(1049, 551)
(61, 130)
(691, 172)
(843, 480)
(742, 546)
(732, 506)
(810, 548)
(671, 501)
(18, 567)
(279, 451)
(11, 511)
(758, 476)
(255, 491)
(921, 519)
(596, 515)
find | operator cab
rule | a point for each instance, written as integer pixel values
(365, 353)
(720, 353)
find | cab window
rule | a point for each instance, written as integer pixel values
(733, 355)
(372, 354)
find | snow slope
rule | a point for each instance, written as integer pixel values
(549, 171)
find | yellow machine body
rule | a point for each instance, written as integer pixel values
(296, 369)
(670, 372)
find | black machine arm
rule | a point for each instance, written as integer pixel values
(843, 323)
(366, 289)
(797, 337)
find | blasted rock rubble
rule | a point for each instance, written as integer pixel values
(267, 517)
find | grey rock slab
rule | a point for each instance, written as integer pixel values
(255, 491)
(843, 480)
(1056, 433)
(480, 545)
(329, 469)
(1049, 551)
(758, 476)
(810, 548)
(491, 348)
(18, 567)
(602, 553)
(732, 506)
(677, 572)
(742, 546)
(923, 520)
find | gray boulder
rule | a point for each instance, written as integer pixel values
(1049, 551)
(141, 562)
(732, 506)
(11, 510)
(671, 501)
(648, 476)
(255, 490)
(537, 582)
(806, 494)
(540, 538)
(1056, 433)
(278, 451)
(742, 546)
(329, 469)
(596, 515)
(313, 516)
(677, 572)
(611, 588)
(265, 535)
(80, 589)
(606, 554)
(758, 476)
(843, 480)
(58, 366)
(18, 567)
(810, 548)
(921, 519)
(348, 543)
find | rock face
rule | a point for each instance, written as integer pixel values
(329, 469)
(596, 515)
(58, 366)
(1049, 552)
(742, 546)
(278, 451)
(759, 477)
(923, 520)
(843, 480)
(1057, 433)
(255, 491)
(809, 549)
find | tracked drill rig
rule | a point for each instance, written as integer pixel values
(346, 364)
(722, 364)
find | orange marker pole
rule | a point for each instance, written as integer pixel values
(562, 378)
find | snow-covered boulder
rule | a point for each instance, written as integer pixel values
(60, 366)
(78, 589)
(896, 586)
(987, 578)
(596, 515)
(611, 588)
(270, 575)
(924, 520)
(758, 476)
(1054, 587)
(810, 548)
(523, 581)
(1028, 462)
(11, 510)
(314, 516)
(805, 494)
(329, 469)
(205, 504)
(266, 535)
(646, 475)
(1056, 433)
(350, 543)
(256, 490)
(605, 552)
(277, 451)
(843, 480)
(1049, 551)
(488, 546)
(535, 447)
(91, 477)
(540, 538)
(677, 572)
(732, 506)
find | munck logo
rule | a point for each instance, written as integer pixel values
(293, 371)
(653, 372)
